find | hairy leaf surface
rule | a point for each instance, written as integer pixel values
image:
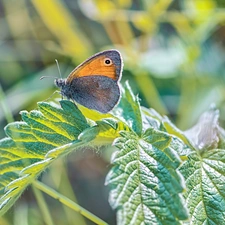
(33, 143)
(145, 183)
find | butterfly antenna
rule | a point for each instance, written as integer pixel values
(47, 77)
(52, 76)
(58, 68)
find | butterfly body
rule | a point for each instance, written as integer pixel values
(93, 84)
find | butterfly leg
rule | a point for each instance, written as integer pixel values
(52, 95)
(61, 95)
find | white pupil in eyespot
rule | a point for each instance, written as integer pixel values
(107, 61)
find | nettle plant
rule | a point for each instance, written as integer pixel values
(159, 174)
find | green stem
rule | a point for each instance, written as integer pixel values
(54, 194)
(43, 206)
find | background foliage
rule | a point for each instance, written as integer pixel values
(173, 58)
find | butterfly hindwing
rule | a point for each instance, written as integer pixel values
(95, 92)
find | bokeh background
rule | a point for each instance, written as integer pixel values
(174, 59)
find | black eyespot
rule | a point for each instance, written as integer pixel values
(108, 62)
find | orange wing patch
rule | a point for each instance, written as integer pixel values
(95, 66)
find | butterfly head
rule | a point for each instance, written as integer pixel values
(60, 82)
(64, 88)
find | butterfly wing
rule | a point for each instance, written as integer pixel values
(96, 65)
(95, 92)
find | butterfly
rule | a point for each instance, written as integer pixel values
(94, 83)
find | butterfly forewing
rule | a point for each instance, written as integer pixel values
(96, 66)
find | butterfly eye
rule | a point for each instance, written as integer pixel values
(107, 61)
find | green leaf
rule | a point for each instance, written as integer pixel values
(164, 124)
(32, 144)
(129, 110)
(205, 179)
(145, 184)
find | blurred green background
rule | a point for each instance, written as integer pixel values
(174, 59)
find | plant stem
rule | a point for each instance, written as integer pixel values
(42, 205)
(54, 194)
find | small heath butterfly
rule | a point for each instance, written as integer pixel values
(94, 83)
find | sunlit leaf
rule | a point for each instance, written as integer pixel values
(33, 143)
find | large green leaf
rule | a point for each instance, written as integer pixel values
(205, 180)
(33, 143)
(145, 182)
